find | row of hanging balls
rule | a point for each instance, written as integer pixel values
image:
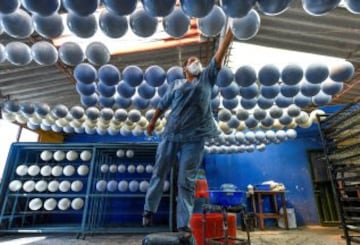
(19, 19)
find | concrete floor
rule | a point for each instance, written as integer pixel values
(311, 235)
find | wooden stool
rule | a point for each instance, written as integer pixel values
(168, 238)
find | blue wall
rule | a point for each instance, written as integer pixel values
(286, 163)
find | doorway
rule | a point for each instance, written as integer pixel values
(323, 191)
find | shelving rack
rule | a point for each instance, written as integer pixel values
(340, 133)
(103, 210)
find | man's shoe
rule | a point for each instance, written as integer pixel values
(185, 231)
(147, 218)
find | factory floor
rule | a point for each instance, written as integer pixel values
(310, 235)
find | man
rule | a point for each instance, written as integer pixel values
(189, 123)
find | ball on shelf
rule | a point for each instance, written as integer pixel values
(101, 185)
(50, 204)
(72, 155)
(68, 170)
(15, 185)
(56, 170)
(21, 170)
(64, 203)
(133, 185)
(53, 186)
(112, 185)
(83, 170)
(59, 155)
(33, 170)
(85, 155)
(123, 186)
(35, 204)
(76, 186)
(131, 169)
(64, 186)
(45, 170)
(130, 153)
(41, 186)
(77, 203)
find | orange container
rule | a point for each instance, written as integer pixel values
(214, 226)
(201, 188)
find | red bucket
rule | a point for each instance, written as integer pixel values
(214, 226)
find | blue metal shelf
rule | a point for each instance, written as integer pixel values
(103, 212)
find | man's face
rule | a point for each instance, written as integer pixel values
(192, 60)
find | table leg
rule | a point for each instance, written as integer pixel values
(276, 207)
(284, 210)
(261, 215)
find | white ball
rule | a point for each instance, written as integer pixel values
(21, 170)
(46, 155)
(120, 153)
(113, 168)
(15, 185)
(35, 204)
(33, 170)
(45, 170)
(76, 186)
(64, 203)
(112, 185)
(130, 153)
(83, 170)
(123, 185)
(72, 155)
(68, 170)
(140, 168)
(56, 171)
(29, 186)
(104, 168)
(41, 186)
(50, 204)
(121, 168)
(77, 203)
(101, 185)
(144, 185)
(149, 169)
(133, 186)
(64, 186)
(131, 168)
(59, 156)
(166, 186)
(53, 186)
(85, 155)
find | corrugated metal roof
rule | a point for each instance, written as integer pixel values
(335, 34)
